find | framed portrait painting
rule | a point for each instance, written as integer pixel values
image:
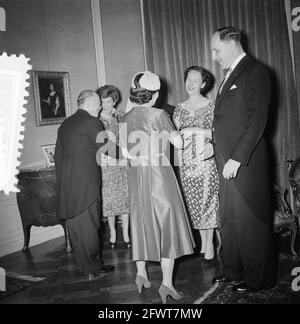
(52, 97)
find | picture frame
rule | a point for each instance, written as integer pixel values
(51, 96)
(49, 152)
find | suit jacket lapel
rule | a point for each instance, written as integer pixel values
(234, 74)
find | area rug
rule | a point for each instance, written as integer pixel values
(15, 283)
(281, 294)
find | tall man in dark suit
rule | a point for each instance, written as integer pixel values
(241, 113)
(79, 181)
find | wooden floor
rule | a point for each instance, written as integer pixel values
(63, 284)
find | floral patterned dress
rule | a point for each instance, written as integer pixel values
(115, 198)
(199, 181)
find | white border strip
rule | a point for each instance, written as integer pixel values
(98, 41)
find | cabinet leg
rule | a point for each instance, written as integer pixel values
(68, 243)
(26, 230)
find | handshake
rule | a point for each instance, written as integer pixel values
(201, 138)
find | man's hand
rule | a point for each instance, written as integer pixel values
(208, 151)
(231, 168)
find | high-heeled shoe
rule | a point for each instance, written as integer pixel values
(142, 282)
(112, 245)
(127, 244)
(165, 291)
(200, 256)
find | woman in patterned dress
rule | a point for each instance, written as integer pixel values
(198, 172)
(114, 178)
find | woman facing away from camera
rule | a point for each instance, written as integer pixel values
(114, 177)
(160, 229)
(198, 173)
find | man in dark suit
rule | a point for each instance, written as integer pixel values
(241, 113)
(79, 182)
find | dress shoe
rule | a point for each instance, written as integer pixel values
(165, 291)
(112, 245)
(93, 276)
(208, 262)
(141, 282)
(200, 256)
(243, 288)
(127, 244)
(105, 269)
(220, 279)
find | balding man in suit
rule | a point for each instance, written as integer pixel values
(79, 182)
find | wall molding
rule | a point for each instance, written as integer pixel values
(38, 236)
(98, 41)
(143, 33)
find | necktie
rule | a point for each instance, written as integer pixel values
(225, 79)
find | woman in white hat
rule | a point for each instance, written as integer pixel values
(160, 229)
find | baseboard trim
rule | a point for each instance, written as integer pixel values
(38, 235)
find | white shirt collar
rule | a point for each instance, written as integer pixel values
(237, 61)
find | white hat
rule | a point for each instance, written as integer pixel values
(148, 81)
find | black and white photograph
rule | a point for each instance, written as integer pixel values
(160, 156)
(49, 152)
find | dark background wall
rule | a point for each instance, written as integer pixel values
(122, 41)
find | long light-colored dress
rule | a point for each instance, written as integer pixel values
(199, 181)
(115, 198)
(159, 224)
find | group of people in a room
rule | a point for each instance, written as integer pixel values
(223, 172)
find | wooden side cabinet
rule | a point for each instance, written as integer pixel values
(37, 202)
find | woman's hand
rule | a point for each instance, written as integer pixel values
(176, 140)
(187, 132)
